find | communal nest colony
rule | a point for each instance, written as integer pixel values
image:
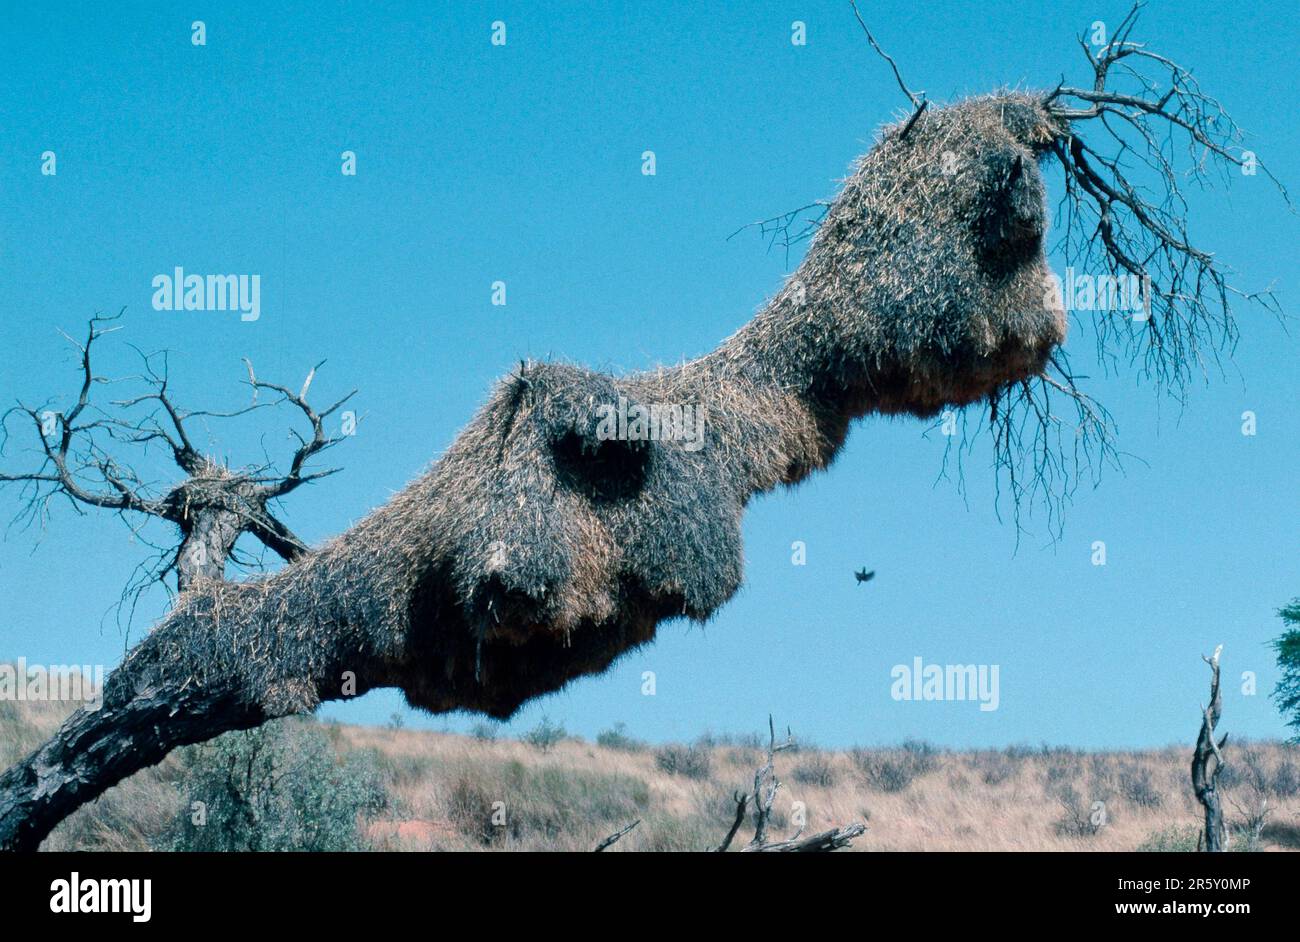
(578, 510)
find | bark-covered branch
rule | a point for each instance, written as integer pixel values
(766, 786)
(89, 454)
(1207, 762)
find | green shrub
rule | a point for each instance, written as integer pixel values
(1179, 840)
(279, 787)
(815, 770)
(1286, 780)
(1136, 787)
(406, 768)
(617, 738)
(893, 770)
(995, 767)
(491, 803)
(545, 735)
(693, 762)
(1080, 817)
(669, 833)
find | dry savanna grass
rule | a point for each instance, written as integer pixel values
(449, 792)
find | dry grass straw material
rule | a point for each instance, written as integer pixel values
(540, 547)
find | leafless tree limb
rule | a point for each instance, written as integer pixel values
(766, 786)
(318, 442)
(917, 99)
(1125, 211)
(788, 229)
(1124, 196)
(212, 505)
(742, 804)
(1208, 762)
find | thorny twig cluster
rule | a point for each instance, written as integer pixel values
(78, 454)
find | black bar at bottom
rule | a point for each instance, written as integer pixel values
(211, 892)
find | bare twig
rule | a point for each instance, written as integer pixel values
(917, 99)
(789, 229)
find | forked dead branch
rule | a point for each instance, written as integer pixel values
(90, 455)
(1207, 763)
(538, 550)
(761, 800)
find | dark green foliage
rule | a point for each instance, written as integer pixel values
(279, 787)
(1287, 645)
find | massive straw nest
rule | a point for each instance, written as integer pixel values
(539, 548)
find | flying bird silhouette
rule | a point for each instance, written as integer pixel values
(863, 576)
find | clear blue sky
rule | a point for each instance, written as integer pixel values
(522, 163)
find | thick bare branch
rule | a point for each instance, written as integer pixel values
(211, 505)
(742, 804)
(1208, 762)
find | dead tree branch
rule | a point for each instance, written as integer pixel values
(79, 459)
(833, 839)
(789, 229)
(1126, 220)
(742, 804)
(766, 786)
(917, 99)
(1207, 761)
(1126, 209)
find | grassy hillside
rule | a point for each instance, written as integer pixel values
(444, 792)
